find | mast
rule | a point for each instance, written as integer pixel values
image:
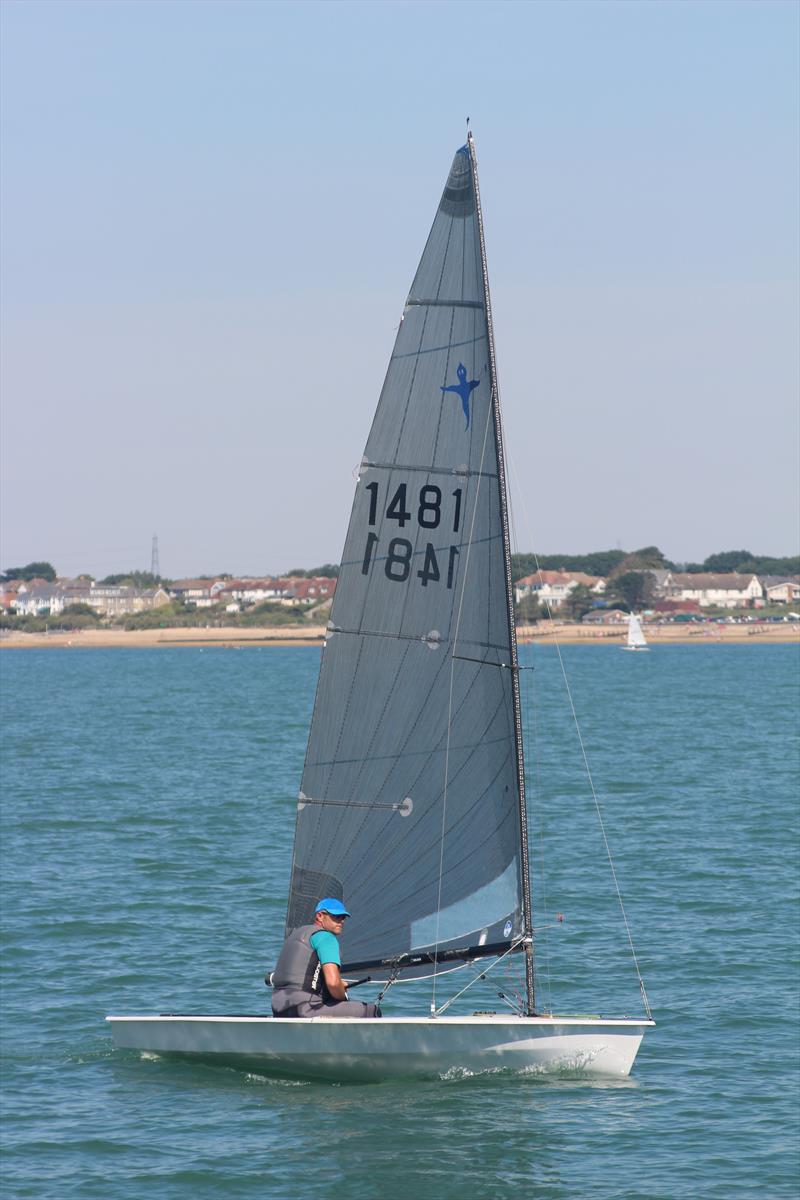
(501, 478)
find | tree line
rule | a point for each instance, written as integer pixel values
(610, 564)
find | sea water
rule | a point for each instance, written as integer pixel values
(149, 802)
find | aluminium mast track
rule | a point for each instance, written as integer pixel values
(501, 480)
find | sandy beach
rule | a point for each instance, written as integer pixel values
(286, 635)
(754, 634)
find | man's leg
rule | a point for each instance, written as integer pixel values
(347, 1008)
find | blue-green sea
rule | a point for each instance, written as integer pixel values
(148, 813)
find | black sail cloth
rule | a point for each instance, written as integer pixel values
(409, 806)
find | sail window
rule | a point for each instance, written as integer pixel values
(486, 906)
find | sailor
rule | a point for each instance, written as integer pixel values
(307, 981)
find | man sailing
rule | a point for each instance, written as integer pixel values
(307, 981)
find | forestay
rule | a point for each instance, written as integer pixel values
(410, 804)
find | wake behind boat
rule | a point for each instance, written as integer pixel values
(412, 800)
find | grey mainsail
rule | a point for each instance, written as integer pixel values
(411, 803)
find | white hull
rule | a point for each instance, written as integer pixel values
(392, 1047)
(634, 648)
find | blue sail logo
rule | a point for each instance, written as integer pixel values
(463, 388)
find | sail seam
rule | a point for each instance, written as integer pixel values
(401, 755)
(438, 349)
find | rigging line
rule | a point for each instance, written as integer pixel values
(474, 853)
(484, 971)
(388, 852)
(532, 740)
(534, 727)
(428, 763)
(543, 971)
(509, 589)
(489, 415)
(529, 719)
(390, 467)
(587, 768)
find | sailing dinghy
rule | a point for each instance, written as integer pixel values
(636, 639)
(412, 802)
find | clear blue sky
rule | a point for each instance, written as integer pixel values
(212, 213)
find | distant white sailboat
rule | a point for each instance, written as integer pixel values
(412, 801)
(636, 639)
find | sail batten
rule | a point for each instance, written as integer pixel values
(430, 469)
(445, 304)
(412, 760)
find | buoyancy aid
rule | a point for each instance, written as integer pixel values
(298, 965)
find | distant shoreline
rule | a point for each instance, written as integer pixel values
(755, 634)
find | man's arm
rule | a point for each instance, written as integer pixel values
(326, 948)
(333, 981)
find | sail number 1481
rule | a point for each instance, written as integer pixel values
(426, 507)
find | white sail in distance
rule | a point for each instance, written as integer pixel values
(636, 638)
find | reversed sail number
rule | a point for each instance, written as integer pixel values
(398, 561)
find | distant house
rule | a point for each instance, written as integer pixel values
(42, 600)
(604, 616)
(660, 576)
(151, 598)
(781, 589)
(676, 606)
(553, 587)
(253, 591)
(200, 592)
(108, 599)
(8, 593)
(112, 600)
(728, 590)
(312, 591)
(293, 589)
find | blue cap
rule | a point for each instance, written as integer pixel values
(334, 907)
